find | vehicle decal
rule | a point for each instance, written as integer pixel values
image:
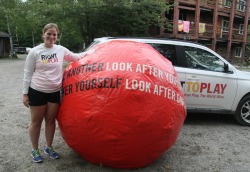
(203, 89)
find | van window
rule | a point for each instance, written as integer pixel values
(167, 51)
(201, 59)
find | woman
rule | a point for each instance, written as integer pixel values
(41, 87)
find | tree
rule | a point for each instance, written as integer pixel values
(124, 17)
(7, 12)
(82, 20)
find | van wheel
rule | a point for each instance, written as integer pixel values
(242, 114)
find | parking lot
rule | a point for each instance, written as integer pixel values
(211, 143)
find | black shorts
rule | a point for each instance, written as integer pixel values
(38, 98)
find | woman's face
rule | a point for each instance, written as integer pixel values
(50, 37)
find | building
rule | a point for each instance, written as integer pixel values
(221, 25)
(4, 44)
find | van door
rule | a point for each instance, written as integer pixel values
(207, 86)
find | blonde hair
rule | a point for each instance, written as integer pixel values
(50, 25)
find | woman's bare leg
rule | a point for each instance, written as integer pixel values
(37, 114)
(50, 122)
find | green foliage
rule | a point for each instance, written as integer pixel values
(123, 18)
(80, 20)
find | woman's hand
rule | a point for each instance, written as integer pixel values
(26, 100)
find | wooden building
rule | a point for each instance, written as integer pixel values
(4, 44)
(221, 25)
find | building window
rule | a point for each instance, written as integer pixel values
(241, 29)
(238, 52)
(227, 3)
(225, 26)
(241, 5)
(182, 16)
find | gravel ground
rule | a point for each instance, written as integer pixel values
(210, 143)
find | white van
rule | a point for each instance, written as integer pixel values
(210, 83)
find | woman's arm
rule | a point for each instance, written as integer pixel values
(71, 57)
(28, 71)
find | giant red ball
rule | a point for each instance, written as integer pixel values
(122, 106)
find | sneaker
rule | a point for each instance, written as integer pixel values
(50, 151)
(36, 156)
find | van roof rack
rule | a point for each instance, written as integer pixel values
(167, 39)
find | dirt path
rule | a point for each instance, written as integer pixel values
(209, 143)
